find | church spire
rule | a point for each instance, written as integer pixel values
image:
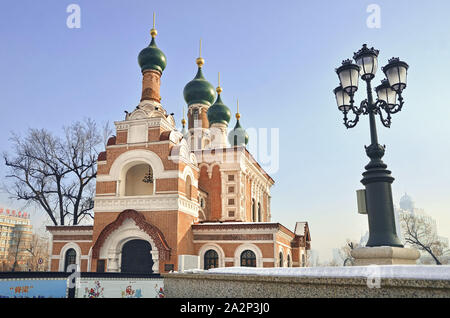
(238, 136)
(199, 90)
(183, 122)
(152, 62)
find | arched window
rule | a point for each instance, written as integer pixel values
(139, 180)
(188, 189)
(211, 259)
(248, 259)
(253, 211)
(70, 258)
(259, 212)
(281, 259)
(289, 260)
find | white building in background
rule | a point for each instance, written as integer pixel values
(407, 206)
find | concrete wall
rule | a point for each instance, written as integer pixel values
(180, 285)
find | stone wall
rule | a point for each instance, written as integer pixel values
(181, 285)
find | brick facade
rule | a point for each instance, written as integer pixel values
(165, 211)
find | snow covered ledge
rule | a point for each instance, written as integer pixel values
(355, 281)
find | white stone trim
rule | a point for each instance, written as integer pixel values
(286, 236)
(89, 260)
(289, 253)
(112, 247)
(133, 157)
(71, 232)
(285, 245)
(215, 247)
(235, 241)
(158, 202)
(236, 230)
(50, 251)
(137, 144)
(187, 171)
(62, 255)
(269, 260)
(78, 241)
(248, 246)
(280, 250)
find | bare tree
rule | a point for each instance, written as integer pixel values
(419, 233)
(345, 252)
(54, 173)
(20, 241)
(38, 253)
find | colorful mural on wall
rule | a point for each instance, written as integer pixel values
(33, 288)
(126, 288)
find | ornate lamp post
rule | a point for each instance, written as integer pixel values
(377, 179)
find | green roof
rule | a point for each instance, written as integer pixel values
(199, 90)
(238, 136)
(152, 58)
(219, 113)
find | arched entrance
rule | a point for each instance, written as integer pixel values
(136, 257)
(130, 225)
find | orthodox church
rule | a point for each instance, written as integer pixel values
(174, 200)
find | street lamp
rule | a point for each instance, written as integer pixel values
(377, 179)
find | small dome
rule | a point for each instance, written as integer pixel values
(152, 58)
(406, 203)
(238, 136)
(199, 90)
(219, 113)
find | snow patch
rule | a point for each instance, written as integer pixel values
(429, 272)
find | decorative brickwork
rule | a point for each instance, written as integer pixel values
(139, 219)
(233, 237)
(151, 82)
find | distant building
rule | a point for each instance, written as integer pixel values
(407, 206)
(15, 237)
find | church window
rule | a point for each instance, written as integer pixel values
(231, 177)
(230, 189)
(259, 213)
(230, 201)
(281, 259)
(71, 258)
(248, 259)
(231, 213)
(211, 259)
(188, 189)
(101, 266)
(289, 260)
(253, 211)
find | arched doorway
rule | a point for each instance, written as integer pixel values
(136, 257)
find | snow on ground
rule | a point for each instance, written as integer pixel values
(430, 272)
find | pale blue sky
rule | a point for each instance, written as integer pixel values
(278, 58)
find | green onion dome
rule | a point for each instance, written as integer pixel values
(238, 136)
(152, 58)
(199, 90)
(218, 113)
